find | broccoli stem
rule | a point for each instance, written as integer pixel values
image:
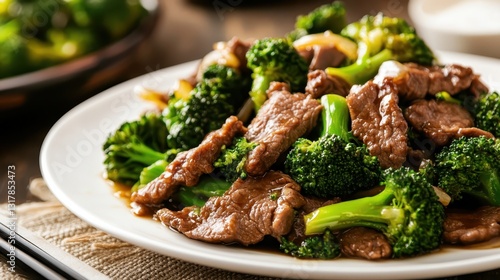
(407, 212)
(153, 171)
(258, 92)
(187, 198)
(144, 154)
(150, 173)
(361, 71)
(335, 116)
(374, 212)
(445, 96)
(207, 187)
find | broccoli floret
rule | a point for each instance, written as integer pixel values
(469, 167)
(487, 112)
(326, 17)
(323, 246)
(334, 164)
(231, 162)
(207, 187)
(220, 94)
(275, 59)
(228, 79)
(407, 211)
(134, 146)
(381, 38)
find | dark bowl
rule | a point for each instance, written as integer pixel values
(65, 85)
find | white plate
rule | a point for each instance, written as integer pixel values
(71, 163)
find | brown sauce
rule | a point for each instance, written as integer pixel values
(491, 244)
(121, 191)
(124, 193)
(270, 245)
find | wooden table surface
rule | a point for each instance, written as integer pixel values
(186, 31)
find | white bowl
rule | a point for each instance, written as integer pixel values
(469, 26)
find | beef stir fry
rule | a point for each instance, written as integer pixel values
(337, 139)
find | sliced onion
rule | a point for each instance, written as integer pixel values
(182, 89)
(444, 198)
(221, 55)
(160, 99)
(328, 39)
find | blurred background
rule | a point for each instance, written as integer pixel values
(190, 27)
(169, 33)
(163, 34)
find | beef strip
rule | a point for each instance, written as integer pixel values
(411, 82)
(239, 49)
(472, 227)
(418, 156)
(473, 132)
(282, 119)
(188, 166)
(250, 210)
(326, 56)
(366, 243)
(320, 83)
(415, 81)
(441, 121)
(378, 122)
(320, 57)
(477, 87)
(452, 78)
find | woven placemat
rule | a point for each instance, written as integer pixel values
(50, 220)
